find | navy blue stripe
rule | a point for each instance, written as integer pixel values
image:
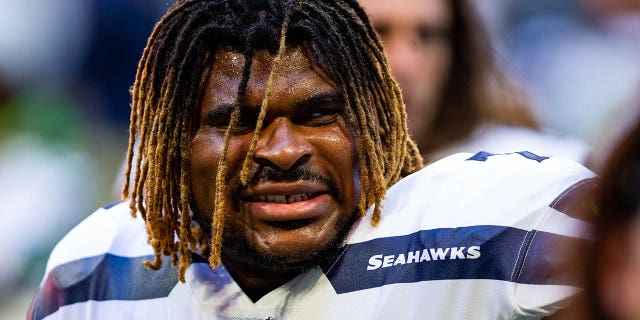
(532, 156)
(111, 205)
(524, 246)
(101, 278)
(481, 156)
(507, 254)
(548, 262)
(577, 201)
(484, 156)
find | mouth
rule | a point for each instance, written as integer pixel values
(287, 202)
(279, 198)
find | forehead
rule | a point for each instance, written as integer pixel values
(297, 77)
(397, 12)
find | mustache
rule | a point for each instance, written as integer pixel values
(265, 174)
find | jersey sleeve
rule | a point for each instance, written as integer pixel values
(548, 273)
(544, 275)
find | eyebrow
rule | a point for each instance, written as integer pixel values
(221, 110)
(320, 99)
(316, 100)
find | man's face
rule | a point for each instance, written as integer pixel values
(419, 56)
(304, 179)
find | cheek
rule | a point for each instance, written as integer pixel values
(204, 165)
(206, 149)
(205, 152)
(205, 158)
(437, 61)
(339, 150)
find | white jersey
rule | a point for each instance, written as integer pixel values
(468, 237)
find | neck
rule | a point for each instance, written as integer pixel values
(256, 283)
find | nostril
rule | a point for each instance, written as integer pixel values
(302, 160)
(282, 162)
(263, 162)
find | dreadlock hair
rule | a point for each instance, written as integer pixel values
(169, 81)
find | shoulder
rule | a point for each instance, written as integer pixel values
(101, 260)
(109, 230)
(465, 189)
(500, 174)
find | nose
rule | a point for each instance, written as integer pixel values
(282, 145)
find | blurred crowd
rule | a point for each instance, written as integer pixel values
(579, 61)
(559, 77)
(65, 71)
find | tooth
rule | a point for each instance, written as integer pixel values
(283, 198)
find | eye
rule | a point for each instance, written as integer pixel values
(432, 34)
(323, 116)
(245, 124)
(220, 119)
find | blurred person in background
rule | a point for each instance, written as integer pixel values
(615, 276)
(610, 268)
(457, 98)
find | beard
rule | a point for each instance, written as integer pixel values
(236, 242)
(236, 246)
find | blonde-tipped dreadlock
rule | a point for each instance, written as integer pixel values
(168, 84)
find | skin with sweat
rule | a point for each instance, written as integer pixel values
(303, 187)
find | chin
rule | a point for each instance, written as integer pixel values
(236, 247)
